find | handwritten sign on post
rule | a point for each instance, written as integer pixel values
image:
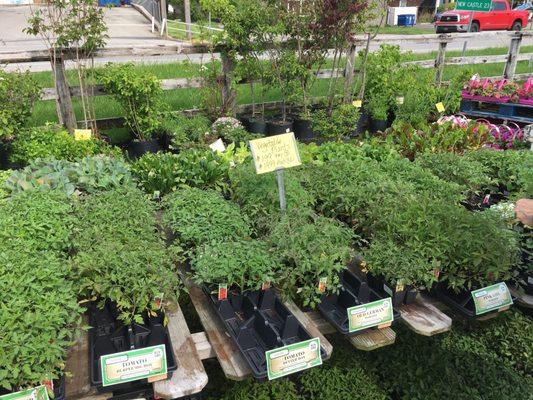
(275, 152)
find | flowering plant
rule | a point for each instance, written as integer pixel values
(499, 88)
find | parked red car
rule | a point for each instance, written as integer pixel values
(500, 17)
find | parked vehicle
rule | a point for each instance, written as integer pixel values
(500, 17)
(527, 7)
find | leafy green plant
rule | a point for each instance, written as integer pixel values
(510, 169)
(18, 94)
(341, 124)
(90, 174)
(53, 141)
(4, 175)
(312, 247)
(199, 216)
(186, 131)
(159, 173)
(230, 130)
(241, 264)
(42, 320)
(39, 220)
(272, 390)
(131, 274)
(140, 96)
(471, 175)
(258, 195)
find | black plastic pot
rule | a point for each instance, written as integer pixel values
(258, 321)
(385, 289)
(59, 388)
(354, 291)
(5, 151)
(303, 130)
(108, 335)
(378, 125)
(276, 127)
(138, 149)
(362, 124)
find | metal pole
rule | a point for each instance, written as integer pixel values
(469, 28)
(281, 190)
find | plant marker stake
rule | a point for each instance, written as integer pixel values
(281, 190)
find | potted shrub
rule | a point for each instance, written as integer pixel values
(140, 96)
(379, 111)
(342, 123)
(230, 130)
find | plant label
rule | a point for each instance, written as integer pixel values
(440, 107)
(292, 358)
(357, 103)
(400, 100)
(36, 393)
(490, 298)
(275, 153)
(218, 146)
(322, 283)
(134, 365)
(82, 134)
(222, 291)
(377, 313)
(265, 286)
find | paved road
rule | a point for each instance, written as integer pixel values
(127, 27)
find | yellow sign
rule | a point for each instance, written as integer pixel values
(440, 107)
(357, 103)
(275, 152)
(82, 134)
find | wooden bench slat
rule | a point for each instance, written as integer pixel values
(424, 318)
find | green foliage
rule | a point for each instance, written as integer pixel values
(273, 390)
(140, 96)
(242, 264)
(341, 124)
(18, 94)
(158, 174)
(421, 368)
(312, 247)
(4, 175)
(471, 175)
(53, 141)
(39, 317)
(259, 198)
(90, 174)
(120, 256)
(185, 131)
(199, 216)
(510, 169)
(38, 220)
(231, 130)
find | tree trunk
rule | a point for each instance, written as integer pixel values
(65, 110)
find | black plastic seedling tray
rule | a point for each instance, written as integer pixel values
(109, 335)
(384, 289)
(354, 291)
(462, 302)
(258, 321)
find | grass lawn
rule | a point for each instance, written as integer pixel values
(201, 31)
(405, 30)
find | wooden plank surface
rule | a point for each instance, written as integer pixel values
(373, 339)
(424, 318)
(190, 377)
(310, 326)
(232, 362)
(522, 299)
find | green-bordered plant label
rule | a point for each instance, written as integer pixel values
(474, 5)
(491, 298)
(377, 313)
(36, 393)
(293, 358)
(132, 365)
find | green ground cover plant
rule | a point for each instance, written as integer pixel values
(53, 141)
(242, 264)
(199, 216)
(186, 131)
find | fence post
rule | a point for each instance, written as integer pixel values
(512, 57)
(228, 92)
(349, 71)
(187, 7)
(65, 111)
(439, 62)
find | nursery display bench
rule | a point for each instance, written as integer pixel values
(516, 112)
(188, 379)
(425, 318)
